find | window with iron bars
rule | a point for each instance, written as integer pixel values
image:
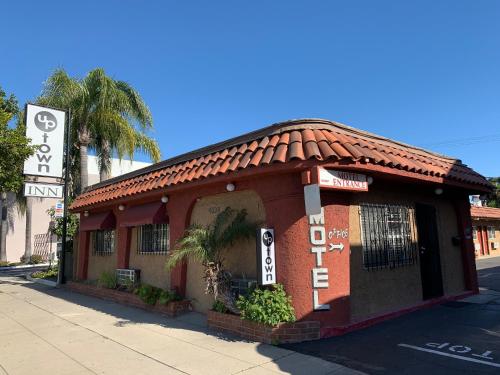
(474, 233)
(103, 242)
(153, 239)
(491, 233)
(388, 235)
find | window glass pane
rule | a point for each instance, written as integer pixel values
(387, 235)
(153, 239)
(103, 242)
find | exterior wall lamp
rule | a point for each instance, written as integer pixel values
(85, 213)
(438, 191)
(121, 207)
(164, 199)
(230, 187)
(369, 180)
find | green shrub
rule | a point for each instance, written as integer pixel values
(36, 259)
(267, 306)
(51, 273)
(4, 263)
(127, 285)
(107, 280)
(168, 296)
(148, 293)
(219, 307)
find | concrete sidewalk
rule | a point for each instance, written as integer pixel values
(52, 331)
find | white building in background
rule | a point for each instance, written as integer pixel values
(41, 241)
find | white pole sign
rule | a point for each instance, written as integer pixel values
(266, 257)
(43, 190)
(45, 127)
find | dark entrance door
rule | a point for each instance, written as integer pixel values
(428, 246)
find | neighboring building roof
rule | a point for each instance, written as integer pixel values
(485, 212)
(284, 142)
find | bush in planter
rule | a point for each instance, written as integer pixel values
(36, 259)
(219, 307)
(267, 306)
(50, 274)
(166, 296)
(148, 293)
(107, 280)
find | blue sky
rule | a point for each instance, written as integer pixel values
(422, 72)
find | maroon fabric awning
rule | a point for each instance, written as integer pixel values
(100, 221)
(149, 213)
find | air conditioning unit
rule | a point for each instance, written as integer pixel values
(126, 276)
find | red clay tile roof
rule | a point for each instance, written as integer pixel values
(284, 142)
(485, 212)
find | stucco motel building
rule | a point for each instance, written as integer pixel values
(364, 228)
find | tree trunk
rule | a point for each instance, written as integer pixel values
(3, 227)
(27, 234)
(84, 141)
(218, 284)
(105, 162)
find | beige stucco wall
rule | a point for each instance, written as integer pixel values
(378, 291)
(152, 266)
(17, 225)
(240, 260)
(101, 263)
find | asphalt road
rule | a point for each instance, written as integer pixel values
(453, 338)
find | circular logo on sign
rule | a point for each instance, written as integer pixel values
(267, 238)
(45, 121)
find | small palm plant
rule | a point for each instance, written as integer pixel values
(206, 244)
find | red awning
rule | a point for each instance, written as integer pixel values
(149, 213)
(100, 221)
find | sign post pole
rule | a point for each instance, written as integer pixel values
(61, 278)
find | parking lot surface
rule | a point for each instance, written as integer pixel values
(460, 337)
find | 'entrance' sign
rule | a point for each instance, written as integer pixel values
(45, 127)
(342, 180)
(266, 257)
(43, 190)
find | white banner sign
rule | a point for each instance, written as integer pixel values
(342, 180)
(43, 190)
(266, 257)
(45, 127)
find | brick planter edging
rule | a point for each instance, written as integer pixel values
(280, 334)
(171, 309)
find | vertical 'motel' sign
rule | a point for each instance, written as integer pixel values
(317, 238)
(45, 127)
(266, 257)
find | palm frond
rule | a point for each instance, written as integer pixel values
(191, 245)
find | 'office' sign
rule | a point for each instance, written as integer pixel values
(266, 257)
(45, 127)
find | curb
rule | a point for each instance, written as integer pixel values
(41, 281)
(25, 266)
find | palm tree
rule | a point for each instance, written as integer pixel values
(108, 116)
(206, 244)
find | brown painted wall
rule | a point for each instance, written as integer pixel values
(240, 260)
(152, 266)
(378, 291)
(100, 263)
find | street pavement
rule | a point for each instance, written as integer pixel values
(46, 330)
(461, 337)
